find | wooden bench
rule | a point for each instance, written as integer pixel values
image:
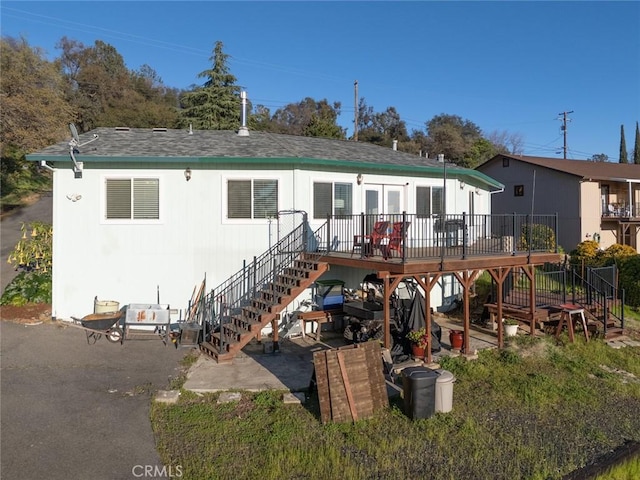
(319, 317)
(520, 314)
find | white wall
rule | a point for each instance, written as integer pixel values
(129, 262)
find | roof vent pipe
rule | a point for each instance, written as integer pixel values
(244, 131)
(395, 145)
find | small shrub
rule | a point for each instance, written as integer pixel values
(542, 238)
(33, 256)
(28, 287)
(34, 250)
(629, 278)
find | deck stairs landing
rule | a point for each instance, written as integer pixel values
(264, 307)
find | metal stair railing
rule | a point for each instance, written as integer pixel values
(227, 299)
(598, 292)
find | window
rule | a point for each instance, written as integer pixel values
(332, 199)
(505, 162)
(429, 201)
(252, 199)
(518, 191)
(132, 198)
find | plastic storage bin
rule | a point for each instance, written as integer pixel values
(419, 391)
(330, 294)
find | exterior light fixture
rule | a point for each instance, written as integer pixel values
(462, 184)
(187, 174)
(359, 179)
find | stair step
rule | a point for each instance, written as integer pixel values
(252, 313)
(235, 331)
(306, 264)
(280, 289)
(247, 324)
(299, 272)
(212, 351)
(267, 306)
(229, 341)
(275, 298)
(289, 280)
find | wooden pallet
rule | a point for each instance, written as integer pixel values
(350, 382)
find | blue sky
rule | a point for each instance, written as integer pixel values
(506, 66)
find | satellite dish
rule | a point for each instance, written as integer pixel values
(74, 132)
(73, 144)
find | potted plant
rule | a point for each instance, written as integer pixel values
(419, 342)
(510, 327)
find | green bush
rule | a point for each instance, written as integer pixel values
(629, 278)
(33, 256)
(28, 287)
(542, 238)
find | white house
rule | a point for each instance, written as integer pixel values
(143, 215)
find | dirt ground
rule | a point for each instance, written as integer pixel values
(31, 313)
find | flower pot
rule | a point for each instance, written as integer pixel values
(417, 351)
(456, 338)
(510, 330)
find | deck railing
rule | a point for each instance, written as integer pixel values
(555, 285)
(426, 236)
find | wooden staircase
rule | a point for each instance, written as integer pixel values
(264, 308)
(596, 317)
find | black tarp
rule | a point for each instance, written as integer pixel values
(417, 320)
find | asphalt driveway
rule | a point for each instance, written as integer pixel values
(74, 410)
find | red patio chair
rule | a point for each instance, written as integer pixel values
(369, 243)
(396, 239)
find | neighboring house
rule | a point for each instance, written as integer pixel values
(143, 215)
(593, 200)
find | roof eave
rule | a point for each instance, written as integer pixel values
(472, 177)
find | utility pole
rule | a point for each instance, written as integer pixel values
(355, 110)
(564, 130)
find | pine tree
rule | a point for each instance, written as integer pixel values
(636, 148)
(215, 105)
(623, 146)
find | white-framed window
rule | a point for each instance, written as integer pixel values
(429, 201)
(132, 199)
(252, 199)
(334, 199)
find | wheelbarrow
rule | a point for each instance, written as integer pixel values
(97, 324)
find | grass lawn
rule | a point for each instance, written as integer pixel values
(535, 410)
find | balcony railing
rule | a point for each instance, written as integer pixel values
(421, 237)
(621, 210)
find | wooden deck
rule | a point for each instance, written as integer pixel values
(427, 269)
(434, 263)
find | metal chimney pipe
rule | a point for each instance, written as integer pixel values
(395, 145)
(244, 131)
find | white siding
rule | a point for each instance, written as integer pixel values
(130, 261)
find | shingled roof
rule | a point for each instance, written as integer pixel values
(584, 169)
(124, 143)
(138, 145)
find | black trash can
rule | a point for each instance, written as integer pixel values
(419, 390)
